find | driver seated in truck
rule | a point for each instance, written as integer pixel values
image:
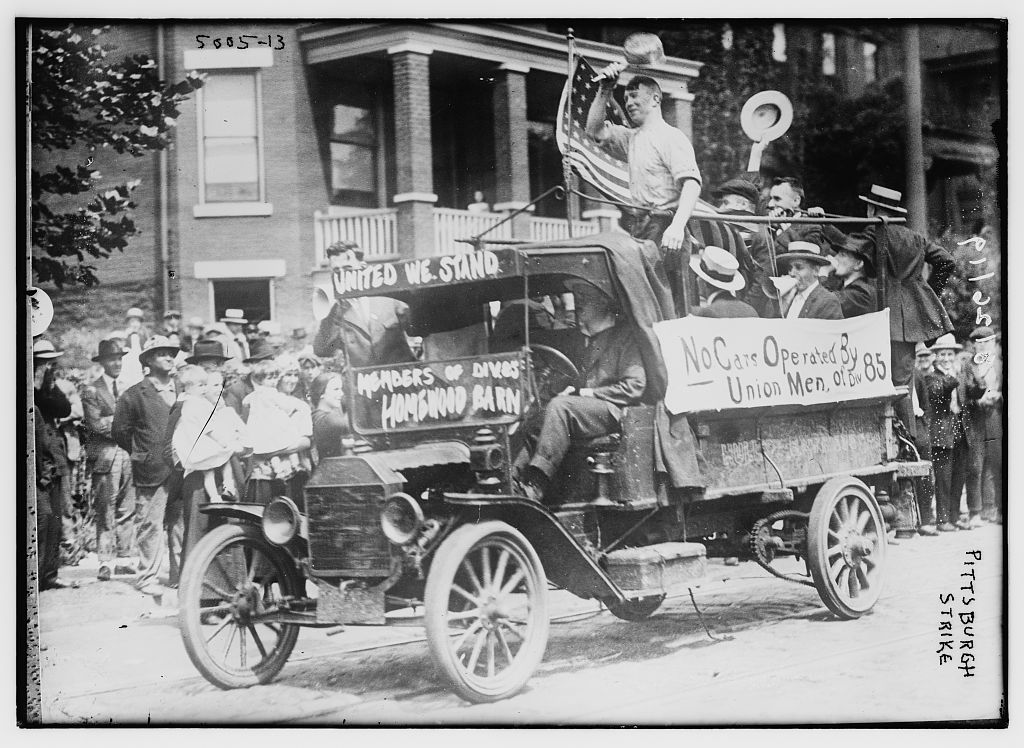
(611, 378)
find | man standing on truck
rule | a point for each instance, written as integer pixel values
(612, 377)
(663, 175)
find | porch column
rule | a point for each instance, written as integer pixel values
(414, 159)
(511, 146)
(677, 109)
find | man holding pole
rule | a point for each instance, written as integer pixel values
(663, 175)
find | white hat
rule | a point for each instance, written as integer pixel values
(234, 316)
(884, 198)
(946, 343)
(269, 327)
(134, 312)
(922, 349)
(44, 349)
(718, 267)
(158, 343)
(800, 250)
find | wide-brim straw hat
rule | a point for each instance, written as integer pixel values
(800, 250)
(158, 344)
(43, 349)
(234, 316)
(946, 343)
(719, 268)
(884, 197)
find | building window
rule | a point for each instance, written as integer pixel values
(870, 69)
(354, 157)
(254, 296)
(828, 54)
(779, 42)
(230, 129)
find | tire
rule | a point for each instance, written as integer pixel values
(635, 610)
(487, 633)
(229, 578)
(846, 547)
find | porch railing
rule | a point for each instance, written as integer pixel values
(375, 230)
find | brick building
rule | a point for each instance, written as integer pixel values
(377, 132)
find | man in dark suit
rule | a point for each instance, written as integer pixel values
(852, 278)
(718, 279)
(110, 466)
(139, 426)
(371, 328)
(915, 312)
(809, 299)
(924, 487)
(51, 405)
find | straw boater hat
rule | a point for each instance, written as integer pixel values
(234, 316)
(207, 350)
(109, 349)
(158, 344)
(44, 350)
(946, 343)
(884, 197)
(719, 268)
(134, 312)
(800, 250)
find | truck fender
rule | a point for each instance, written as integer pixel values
(565, 561)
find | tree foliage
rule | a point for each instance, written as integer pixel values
(81, 102)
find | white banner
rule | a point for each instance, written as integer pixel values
(714, 364)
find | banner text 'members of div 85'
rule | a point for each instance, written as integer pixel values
(715, 364)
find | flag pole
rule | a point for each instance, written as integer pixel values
(567, 175)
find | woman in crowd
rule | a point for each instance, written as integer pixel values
(330, 422)
(279, 432)
(291, 380)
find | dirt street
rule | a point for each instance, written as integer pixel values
(774, 655)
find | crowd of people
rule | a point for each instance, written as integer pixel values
(219, 412)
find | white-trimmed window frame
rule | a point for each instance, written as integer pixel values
(234, 60)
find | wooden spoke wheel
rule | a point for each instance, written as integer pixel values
(230, 590)
(553, 371)
(846, 546)
(635, 610)
(486, 614)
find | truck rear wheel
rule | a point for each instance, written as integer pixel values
(846, 545)
(486, 614)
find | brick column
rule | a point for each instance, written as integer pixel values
(511, 146)
(414, 156)
(677, 109)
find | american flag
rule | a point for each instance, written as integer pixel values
(610, 175)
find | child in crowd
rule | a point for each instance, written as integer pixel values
(208, 434)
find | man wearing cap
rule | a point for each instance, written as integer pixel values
(370, 328)
(612, 376)
(172, 326)
(139, 427)
(810, 300)
(946, 429)
(664, 179)
(236, 322)
(50, 405)
(718, 279)
(924, 486)
(110, 466)
(981, 395)
(852, 268)
(915, 312)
